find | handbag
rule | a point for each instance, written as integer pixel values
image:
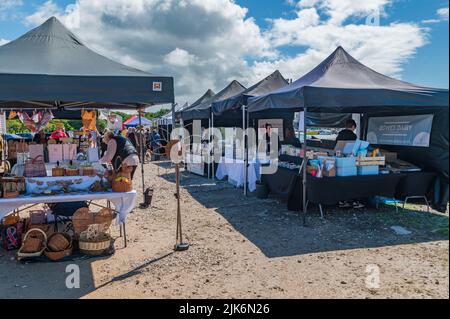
(11, 219)
(35, 167)
(12, 236)
(37, 217)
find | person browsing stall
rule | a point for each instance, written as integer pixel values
(348, 134)
(269, 142)
(59, 132)
(120, 152)
(290, 138)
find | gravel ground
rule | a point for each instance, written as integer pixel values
(244, 247)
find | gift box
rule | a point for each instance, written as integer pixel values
(368, 170)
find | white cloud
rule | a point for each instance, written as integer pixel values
(180, 58)
(207, 43)
(443, 13)
(8, 4)
(3, 41)
(45, 11)
(383, 47)
(7, 8)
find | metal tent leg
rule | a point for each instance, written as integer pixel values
(417, 197)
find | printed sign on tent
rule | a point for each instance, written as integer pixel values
(414, 130)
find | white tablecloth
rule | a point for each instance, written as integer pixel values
(123, 202)
(234, 169)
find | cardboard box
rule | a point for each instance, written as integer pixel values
(390, 156)
(346, 171)
(343, 162)
(368, 170)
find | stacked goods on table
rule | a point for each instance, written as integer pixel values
(15, 148)
(35, 237)
(12, 186)
(352, 161)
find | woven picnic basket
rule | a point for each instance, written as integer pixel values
(32, 246)
(95, 248)
(59, 246)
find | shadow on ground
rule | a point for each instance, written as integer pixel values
(32, 280)
(278, 232)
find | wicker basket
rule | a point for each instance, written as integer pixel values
(58, 242)
(59, 246)
(122, 186)
(58, 171)
(58, 255)
(23, 251)
(81, 220)
(72, 172)
(11, 219)
(94, 248)
(88, 171)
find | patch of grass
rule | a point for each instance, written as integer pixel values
(414, 220)
(442, 232)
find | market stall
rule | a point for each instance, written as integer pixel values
(201, 111)
(75, 78)
(231, 112)
(341, 84)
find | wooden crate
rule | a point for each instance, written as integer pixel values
(371, 161)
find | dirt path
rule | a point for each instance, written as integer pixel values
(250, 248)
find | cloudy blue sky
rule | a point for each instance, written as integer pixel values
(207, 43)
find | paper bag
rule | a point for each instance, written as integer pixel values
(69, 152)
(55, 153)
(36, 150)
(93, 155)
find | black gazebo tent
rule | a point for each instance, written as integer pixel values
(341, 84)
(202, 111)
(204, 98)
(49, 67)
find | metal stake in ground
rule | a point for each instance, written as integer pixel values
(180, 245)
(141, 112)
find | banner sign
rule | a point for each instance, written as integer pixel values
(414, 130)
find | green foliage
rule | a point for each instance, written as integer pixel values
(151, 116)
(15, 126)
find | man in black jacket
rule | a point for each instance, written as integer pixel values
(348, 134)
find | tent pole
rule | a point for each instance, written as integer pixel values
(305, 164)
(209, 154)
(141, 141)
(213, 150)
(245, 151)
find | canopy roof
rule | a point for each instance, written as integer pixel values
(267, 85)
(342, 84)
(49, 66)
(203, 110)
(134, 121)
